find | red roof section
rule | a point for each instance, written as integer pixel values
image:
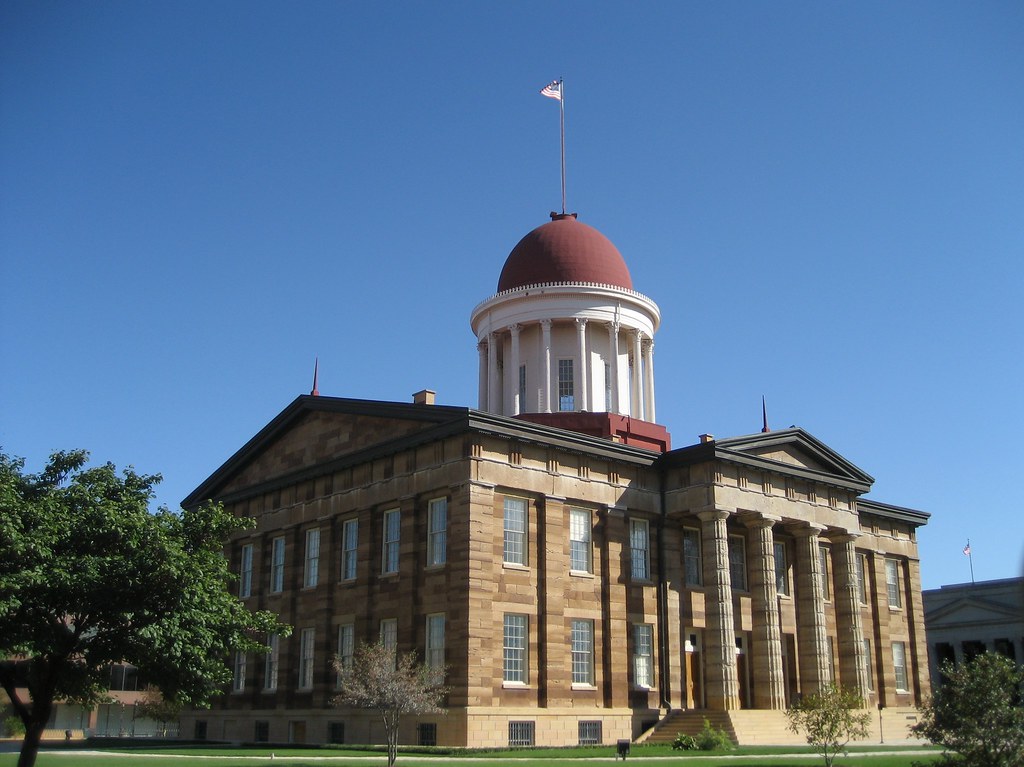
(564, 250)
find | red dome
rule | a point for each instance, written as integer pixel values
(564, 250)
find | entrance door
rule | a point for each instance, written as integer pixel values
(742, 671)
(693, 671)
(296, 732)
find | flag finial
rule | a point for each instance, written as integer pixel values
(764, 417)
(316, 376)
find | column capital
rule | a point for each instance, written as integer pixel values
(481, 345)
(845, 536)
(757, 519)
(546, 324)
(581, 322)
(514, 328)
(712, 515)
(806, 530)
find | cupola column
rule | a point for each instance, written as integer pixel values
(613, 343)
(481, 347)
(493, 379)
(636, 408)
(649, 381)
(583, 398)
(545, 326)
(514, 372)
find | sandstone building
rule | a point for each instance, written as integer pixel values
(581, 579)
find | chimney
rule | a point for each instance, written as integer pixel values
(425, 397)
(706, 438)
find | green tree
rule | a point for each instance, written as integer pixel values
(161, 710)
(829, 719)
(392, 684)
(90, 577)
(977, 713)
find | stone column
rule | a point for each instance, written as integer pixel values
(769, 688)
(812, 639)
(493, 378)
(649, 380)
(582, 400)
(849, 623)
(721, 681)
(545, 326)
(481, 347)
(613, 345)
(917, 647)
(516, 404)
(636, 405)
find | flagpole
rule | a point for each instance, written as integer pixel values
(970, 559)
(561, 114)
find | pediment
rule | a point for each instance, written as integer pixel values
(797, 449)
(968, 610)
(314, 431)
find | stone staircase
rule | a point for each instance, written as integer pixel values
(747, 727)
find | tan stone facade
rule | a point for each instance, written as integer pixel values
(577, 589)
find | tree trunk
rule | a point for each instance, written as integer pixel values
(30, 745)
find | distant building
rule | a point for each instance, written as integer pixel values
(582, 580)
(966, 619)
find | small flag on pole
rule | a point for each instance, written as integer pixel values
(552, 90)
(967, 550)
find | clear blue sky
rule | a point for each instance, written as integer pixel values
(825, 199)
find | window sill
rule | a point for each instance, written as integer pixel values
(579, 686)
(515, 686)
(580, 574)
(435, 567)
(515, 566)
(266, 691)
(641, 581)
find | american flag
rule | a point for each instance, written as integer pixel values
(553, 90)
(967, 550)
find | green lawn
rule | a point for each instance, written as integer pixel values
(661, 756)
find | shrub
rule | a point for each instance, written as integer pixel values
(684, 742)
(14, 727)
(711, 738)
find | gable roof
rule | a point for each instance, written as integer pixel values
(411, 425)
(791, 451)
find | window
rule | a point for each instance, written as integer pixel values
(346, 646)
(306, 647)
(781, 569)
(427, 733)
(643, 655)
(514, 649)
(738, 562)
(639, 550)
(389, 633)
(520, 733)
(862, 584)
(582, 642)
(392, 530)
(589, 733)
(434, 656)
(522, 387)
(349, 547)
(312, 570)
(899, 665)
(566, 400)
(579, 541)
(892, 582)
(691, 556)
(437, 532)
(261, 731)
(277, 565)
(826, 579)
(515, 531)
(245, 572)
(271, 661)
(335, 732)
(238, 680)
(867, 664)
